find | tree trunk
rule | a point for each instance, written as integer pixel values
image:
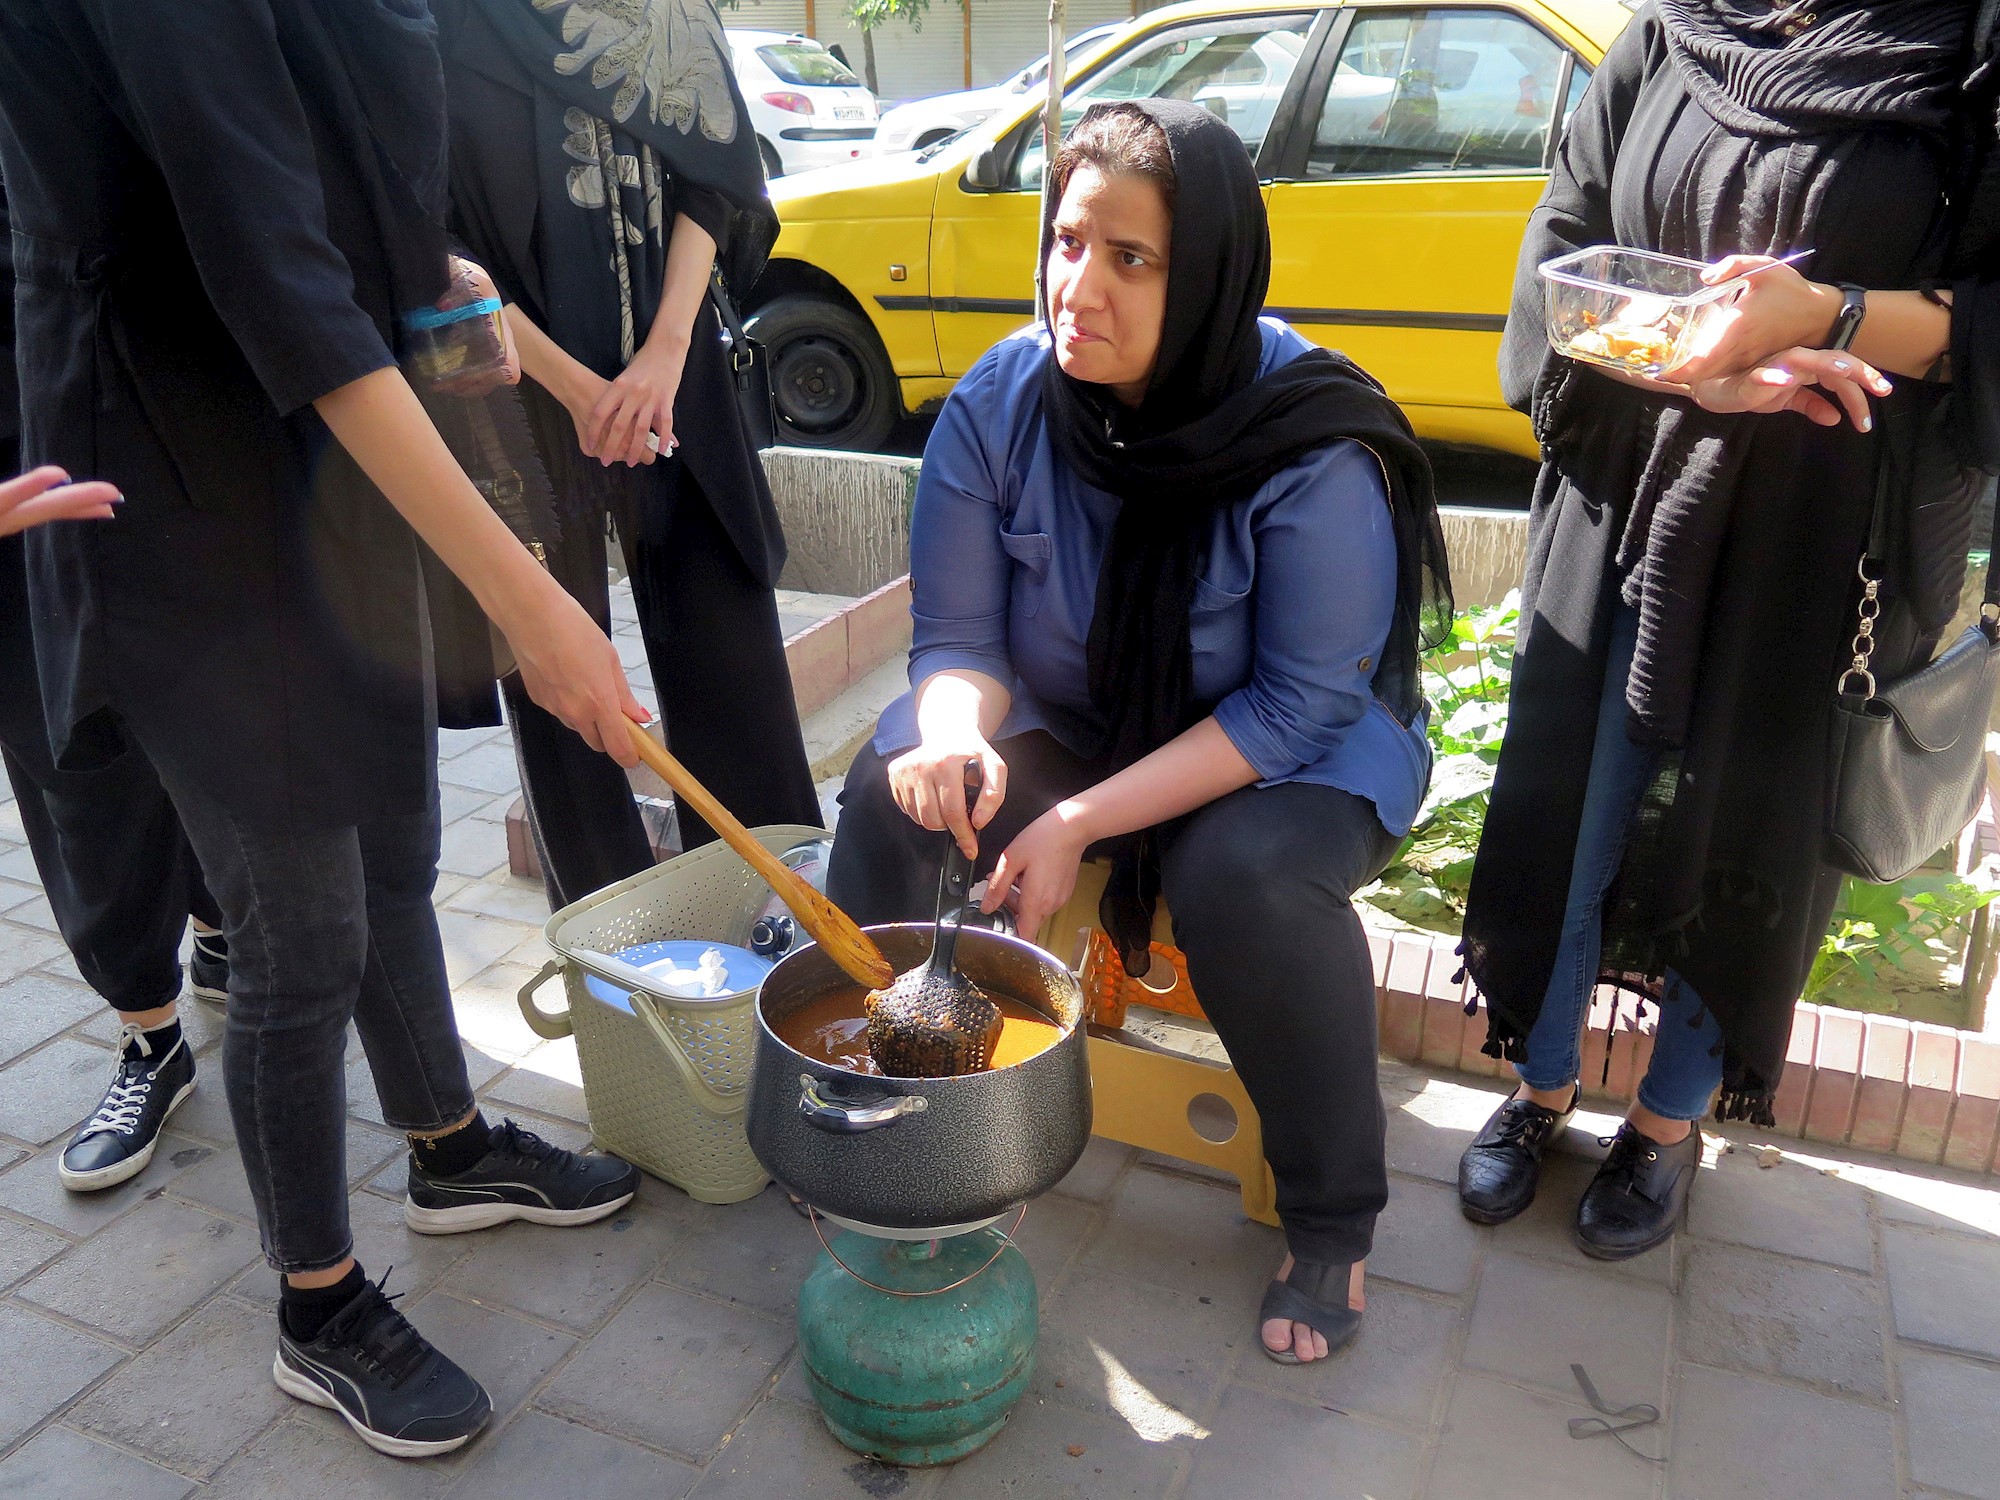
(868, 60)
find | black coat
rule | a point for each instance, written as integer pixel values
(192, 276)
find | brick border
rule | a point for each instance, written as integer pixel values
(1877, 1083)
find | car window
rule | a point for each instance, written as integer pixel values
(1237, 69)
(1579, 80)
(806, 63)
(1438, 91)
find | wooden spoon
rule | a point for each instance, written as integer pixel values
(833, 929)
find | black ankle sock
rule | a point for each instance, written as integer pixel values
(161, 1039)
(305, 1310)
(457, 1151)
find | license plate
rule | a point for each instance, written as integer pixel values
(849, 113)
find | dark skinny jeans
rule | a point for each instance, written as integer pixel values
(1259, 883)
(325, 925)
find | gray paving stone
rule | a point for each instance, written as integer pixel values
(1183, 1234)
(546, 1081)
(1531, 1321)
(780, 1439)
(1097, 1171)
(671, 1369)
(142, 1273)
(455, 742)
(32, 1187)
(507, 1355)
(1791, 1209)
(195, 1398)
(35, 1007)
(47, 1363)
(219, 1183)
(540, 1456)
(1052, 1232)
(1548, 1229)
(489, 1012)
(45, 1094)
(24, 1247)
(18, 865)
(474, 943)
(1941, 1289)
(36, 913)
(1504, 1440)
(1154, 1357)
(24, 948)
(1392, 1370)
(1424, 1148)
(756, 1252)
(573, 1277)
(312, 1455)
(472, 847)
(64, 1465)
(1031, 1457)
(1937, 1198)
(1422, 1239)
(1773, 1315)
(513, 898)
(1279, 1450)
(488, 768)
(455, 802)
(1734, 1434)
(1950, 1408)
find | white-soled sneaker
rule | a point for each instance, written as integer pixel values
(521, 1176)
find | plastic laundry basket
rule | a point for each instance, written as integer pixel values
(667, 1082)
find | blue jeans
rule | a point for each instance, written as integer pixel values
(326, 926)
(1687, 1060)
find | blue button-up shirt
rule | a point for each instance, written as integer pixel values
(1293, 593)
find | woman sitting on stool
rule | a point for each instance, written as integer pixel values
(1173, 568)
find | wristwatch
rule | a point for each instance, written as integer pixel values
(1853, 308)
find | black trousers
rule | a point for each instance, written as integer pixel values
(717, 655)
(119, 875)
(1259, 883)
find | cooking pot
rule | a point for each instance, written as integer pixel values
(921, 1153)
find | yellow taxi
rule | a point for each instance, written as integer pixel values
(1401, 146)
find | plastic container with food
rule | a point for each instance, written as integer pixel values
(1630, 310)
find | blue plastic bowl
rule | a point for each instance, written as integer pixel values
(742, 970)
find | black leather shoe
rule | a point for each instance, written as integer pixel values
(1639, 1195)
(1498, 1173)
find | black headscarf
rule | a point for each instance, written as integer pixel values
(1206, 436)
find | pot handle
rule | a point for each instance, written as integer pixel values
(842, 1117)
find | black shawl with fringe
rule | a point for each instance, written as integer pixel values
(1718, 126)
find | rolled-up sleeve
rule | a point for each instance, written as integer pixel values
(215, 108)
(1325, 589)
(960, 575)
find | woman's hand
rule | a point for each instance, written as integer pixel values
(1037, 873)
(1774, 311)
(45, 494)
(571, 669)
(583, 390)
(639, 402)
(929, 784)
(1787, 383)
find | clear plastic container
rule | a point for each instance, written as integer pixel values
(457, 346)
(1630, 310)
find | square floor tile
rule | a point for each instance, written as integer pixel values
(1792, 1209)
(23, 1248)
(32, 1187)
(219, 1183)
(1734, 1435)
(35, 1007)
(1148, 1355)
(313, 1455)
(1547, 1230)
(1051, 1450)
(1281, 1450)
(46, 1365)
(1532, 1320)
(507, 1355)
(1951, 1412)
(1773, 1315)
(1504, 1440)
(1423, 1239)
(64, 1465)
(1392, 1370)
(756, 1252)
(47, 1093)
(783, 1449)
(1176, 1232)
(539, 1456)
(672, 1370)
(141, 1274)
(1941, 1288)
(573, 1277)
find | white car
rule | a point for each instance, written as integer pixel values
(925, 122)
(808, 108)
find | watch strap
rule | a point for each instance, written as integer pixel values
(1853, 308)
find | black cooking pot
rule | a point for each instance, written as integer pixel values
(921, 1153)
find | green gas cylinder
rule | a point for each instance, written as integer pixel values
(908, 1373)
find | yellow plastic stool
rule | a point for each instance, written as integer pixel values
(1142, 1094)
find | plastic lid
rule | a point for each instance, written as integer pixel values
(742, 970)
(438, 317)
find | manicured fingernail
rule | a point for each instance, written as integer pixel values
(1841, 365)
(1867, 423)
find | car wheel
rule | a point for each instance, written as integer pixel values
(773, 167)
(829, 374)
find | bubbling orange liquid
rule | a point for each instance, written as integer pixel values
(833, 1029)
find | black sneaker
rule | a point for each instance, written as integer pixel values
(398, 1393)
(522, 1176)
(1500, 1170)
(116, 1142)
(208, 967)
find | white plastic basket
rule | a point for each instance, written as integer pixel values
(665, 1084)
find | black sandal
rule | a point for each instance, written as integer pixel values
(1301, 1298)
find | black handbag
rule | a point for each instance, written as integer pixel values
(750, 366)
(1909, 756)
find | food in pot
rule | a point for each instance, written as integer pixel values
(833, 1029)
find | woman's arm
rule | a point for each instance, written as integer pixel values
(1903, 332)
(1037, 872)
(557, 371)
(569, 666)
(641, 399)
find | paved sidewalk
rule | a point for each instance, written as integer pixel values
(1828, 1328)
